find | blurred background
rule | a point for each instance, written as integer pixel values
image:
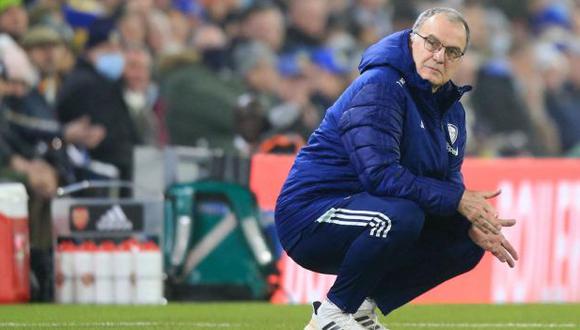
(158, 92)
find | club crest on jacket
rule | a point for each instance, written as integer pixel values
(453, 133)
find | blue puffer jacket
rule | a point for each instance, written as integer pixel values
(387, 134)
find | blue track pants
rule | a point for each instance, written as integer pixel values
(387, 249)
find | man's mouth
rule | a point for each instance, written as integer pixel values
(433, 69)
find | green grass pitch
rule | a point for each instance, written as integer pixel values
(253, 315)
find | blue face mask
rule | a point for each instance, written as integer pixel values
(110, 65)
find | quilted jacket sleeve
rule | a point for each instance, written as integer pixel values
(371, 130)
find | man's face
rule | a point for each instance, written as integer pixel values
(137, 70)
(14, 21)
(103, 48)
(436, 67)
(266, 26)
(46, 58)
(310, 16)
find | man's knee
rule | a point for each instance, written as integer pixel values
(406, 216)
(467, 256)
(473, 257)
(399, 219)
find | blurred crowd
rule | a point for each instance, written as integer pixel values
(82, 82)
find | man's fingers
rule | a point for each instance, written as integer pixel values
(491, 226)
(491, 194)
(489, 215)
(510, 262)
(491, 229)
(510, 249)
(504, 257)
(507, 222)
(490, 211)
(506, 253)
(481, 224)
(482, 228)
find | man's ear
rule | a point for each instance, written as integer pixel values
(412, 37)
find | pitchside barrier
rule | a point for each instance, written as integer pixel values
(542, 194)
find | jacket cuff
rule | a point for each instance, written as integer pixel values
(445, 196)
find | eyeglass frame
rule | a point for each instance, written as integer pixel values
(441, 45)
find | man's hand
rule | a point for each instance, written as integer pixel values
(81, 132)
(475, 207)
(41, 176)
(498, 245)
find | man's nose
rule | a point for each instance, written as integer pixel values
(439, 55)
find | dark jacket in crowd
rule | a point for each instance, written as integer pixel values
(86, 92)
(564, 109)
(501, 111)
(34, 131)
(32, 117)
(200, 106)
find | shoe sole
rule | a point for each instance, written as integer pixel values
(311, 326)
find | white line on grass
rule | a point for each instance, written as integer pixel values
(114, 324)
(230, 325)
(483, 325)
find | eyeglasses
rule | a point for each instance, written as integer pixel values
(432, 44)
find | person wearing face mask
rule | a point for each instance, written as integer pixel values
(377, 196)
(93, 90)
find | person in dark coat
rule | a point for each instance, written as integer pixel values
(93, 89)
(377, 196)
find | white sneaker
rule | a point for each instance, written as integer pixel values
(366, 316)
(328, 316)
(312, 325)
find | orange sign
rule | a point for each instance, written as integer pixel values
(543, 195)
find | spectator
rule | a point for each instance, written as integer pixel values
(45, 48)
(287, 100)
(250, 124)
(308, 24)
(373, 18)
(141, 94)
(328, 76)
(562, 78)
(93, 89)
(218, 11)
(131, 30)
(522, 131)
(159, 35)
(200, 103)
(15, 152)
(265, 23)
(139, 7)
(31, 148)
(296, 33)
(576, 18)
(13, 18)
(211, 43)
(32, 114)
(509, 79)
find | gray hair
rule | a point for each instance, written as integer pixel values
(451, 14)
